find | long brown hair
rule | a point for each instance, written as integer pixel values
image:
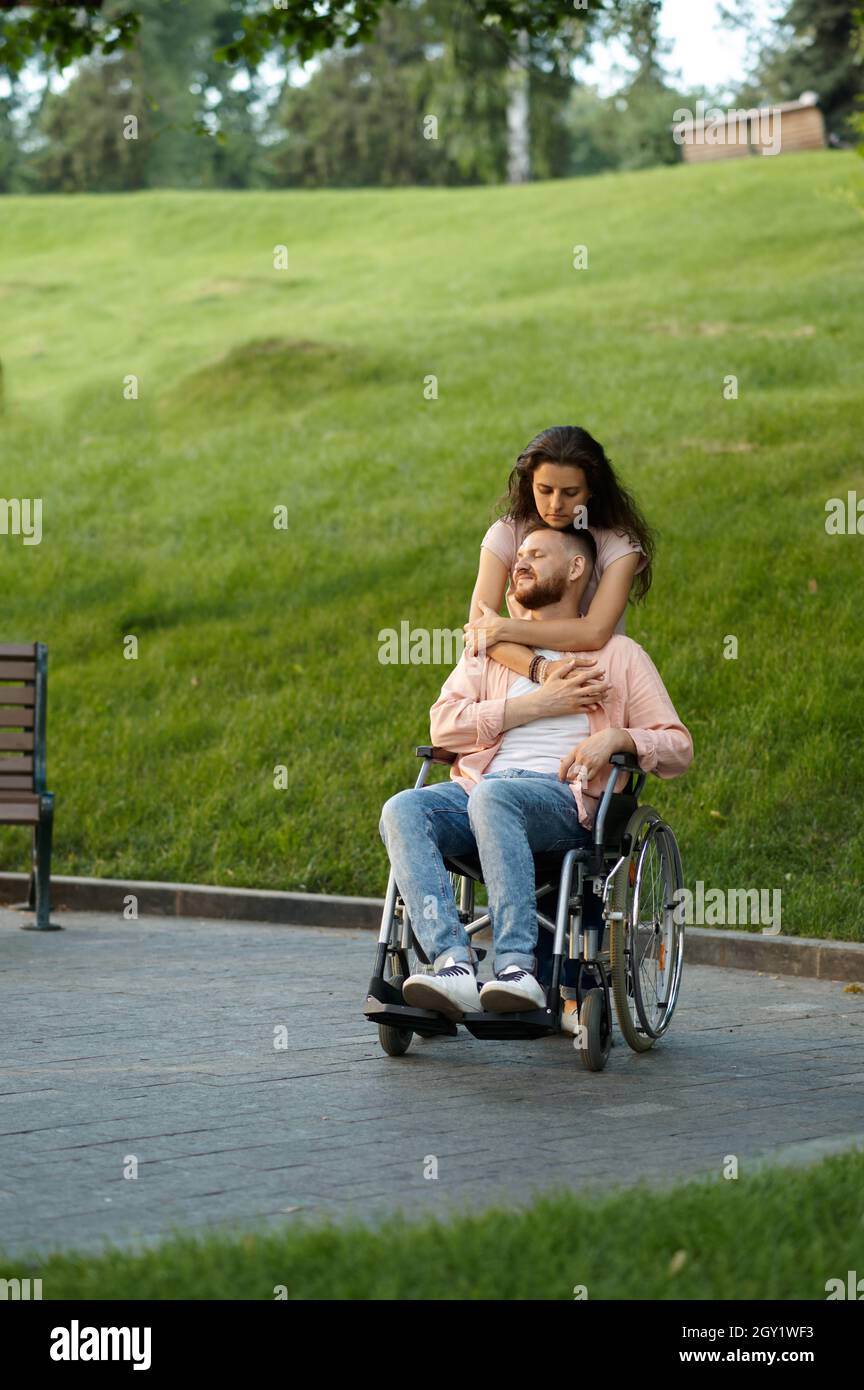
(610, 506)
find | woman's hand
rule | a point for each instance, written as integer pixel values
(485, 631)
(573, 688)
(588, 758)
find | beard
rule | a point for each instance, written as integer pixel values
(538, 593)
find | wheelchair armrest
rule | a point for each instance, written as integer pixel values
(628, 761)
(438, 755)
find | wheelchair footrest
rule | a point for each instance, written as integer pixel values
(533, 1023)
(423, 1021)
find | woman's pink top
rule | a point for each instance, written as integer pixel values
(504, 538)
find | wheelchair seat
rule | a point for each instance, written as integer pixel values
(546, 865)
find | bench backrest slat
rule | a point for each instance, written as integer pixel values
(19, 717)
(22, 719)
(14, 766)
(18, 651)
(23, 742)
(17, 695)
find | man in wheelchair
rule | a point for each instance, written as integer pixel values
(531, 766)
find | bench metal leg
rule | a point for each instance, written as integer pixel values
(34, 861)
(42, 875)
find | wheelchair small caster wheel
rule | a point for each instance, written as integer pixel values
(395, 1041)
(594, 1038)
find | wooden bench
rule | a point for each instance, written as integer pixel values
(23, 797)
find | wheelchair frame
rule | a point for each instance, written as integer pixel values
(626, 836)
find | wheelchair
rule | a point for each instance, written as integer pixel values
(632, 867)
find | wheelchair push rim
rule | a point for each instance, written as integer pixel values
(647, 940)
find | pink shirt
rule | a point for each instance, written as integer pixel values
(468, 715)
(504, 538)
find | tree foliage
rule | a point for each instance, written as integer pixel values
(301, 29)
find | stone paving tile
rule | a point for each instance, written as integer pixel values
(156, 1039)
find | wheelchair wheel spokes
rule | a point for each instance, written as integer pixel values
(673, 926)
(648, 936)
(647, 942)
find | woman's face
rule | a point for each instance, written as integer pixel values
(559, 488)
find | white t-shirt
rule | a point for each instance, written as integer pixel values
(540, 745)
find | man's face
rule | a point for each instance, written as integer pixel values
(540, 575)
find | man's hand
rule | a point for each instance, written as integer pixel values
(485, 631)
(565, 665)
(572, 688)
(585, 761)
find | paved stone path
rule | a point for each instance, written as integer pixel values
(154, 1040)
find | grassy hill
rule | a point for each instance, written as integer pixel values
(303, 388)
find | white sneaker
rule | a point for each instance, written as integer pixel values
(513, 991)
(452, 990)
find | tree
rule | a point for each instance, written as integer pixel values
(637, 23)
(470, 96)
(363, 118)
(10, 153)
(83, 144)
(518, 124)
(172, 92)
(358, 121)
(857, 119)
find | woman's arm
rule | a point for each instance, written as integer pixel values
(490, 585)
(491, 582)
(513, 656)
(586, 634)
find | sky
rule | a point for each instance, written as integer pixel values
(706, 54)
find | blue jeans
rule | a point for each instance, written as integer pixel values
(508, 817)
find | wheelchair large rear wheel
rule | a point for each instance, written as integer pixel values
(646, 940)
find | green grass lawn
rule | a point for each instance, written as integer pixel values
(779, 1234)
(304, 388)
